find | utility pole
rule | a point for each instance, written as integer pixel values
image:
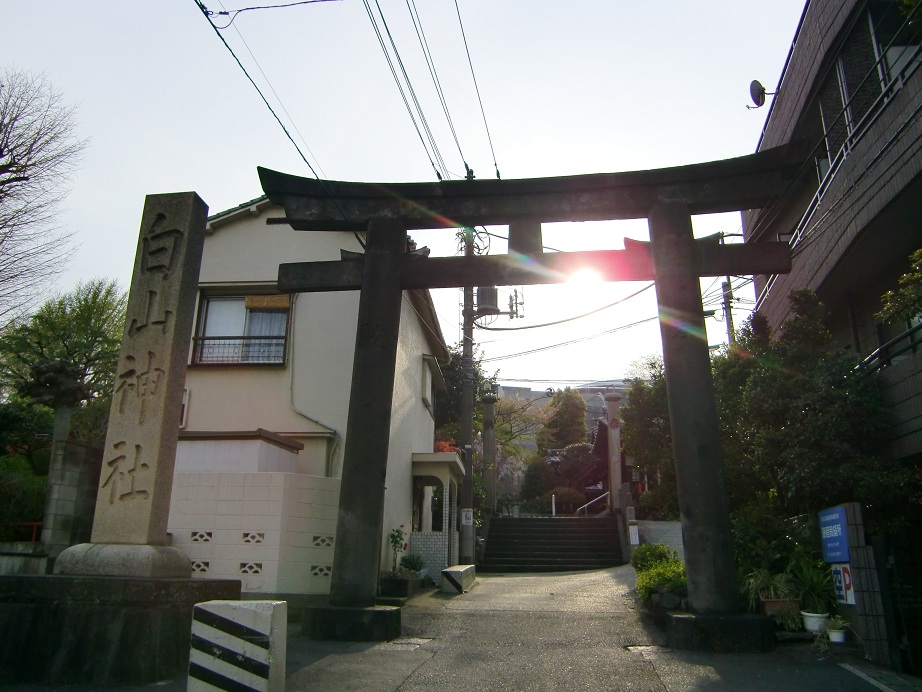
(728, 313)
(728, 303)
(489, 447)
(466, 549)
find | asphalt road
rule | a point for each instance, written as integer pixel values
(572, 631)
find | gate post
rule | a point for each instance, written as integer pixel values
(703, 508)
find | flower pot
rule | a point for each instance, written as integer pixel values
(836, 636)
(770, 606)
(398, 587)
(814, 622)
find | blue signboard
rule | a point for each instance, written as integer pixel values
(834, 534)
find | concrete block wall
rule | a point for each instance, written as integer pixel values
(73, 480)
(435, 546)
(272, 531)
(663, 532)
(432, 546)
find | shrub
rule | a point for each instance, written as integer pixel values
(649, 555)
(566, 499)
(414, 563)
(663, 576)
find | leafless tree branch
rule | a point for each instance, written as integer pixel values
(38, 156)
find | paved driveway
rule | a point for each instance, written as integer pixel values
(571, 631)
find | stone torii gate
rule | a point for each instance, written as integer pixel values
(673, 259)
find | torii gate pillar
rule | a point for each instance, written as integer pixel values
(692, 414)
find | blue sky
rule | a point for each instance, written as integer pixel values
(574, 87)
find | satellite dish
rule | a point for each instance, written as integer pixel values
(757, 93)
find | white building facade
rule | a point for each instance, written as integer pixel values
(259, 460)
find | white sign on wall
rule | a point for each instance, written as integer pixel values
(467, 517)
(843, 584)
(635, 535)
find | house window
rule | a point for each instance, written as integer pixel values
(432, 382)
(242, 330)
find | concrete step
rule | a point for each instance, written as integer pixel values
(544, 544)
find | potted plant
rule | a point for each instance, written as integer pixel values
(813, 584)
(835, 629)
(400, 582)
(414, 563)
(774, 593)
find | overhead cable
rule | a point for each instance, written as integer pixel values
(427, 54)
(233, 13)
(477, 89)
(569, 343)
(269, 83)
(568, 319)
(205, 12)
(406, 103)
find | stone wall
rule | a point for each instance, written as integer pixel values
(663, 532)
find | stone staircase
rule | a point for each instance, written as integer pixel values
(551, 544)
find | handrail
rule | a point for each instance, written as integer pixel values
(591, 502)
(882, 357)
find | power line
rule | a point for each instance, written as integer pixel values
(205, 12)
(568, 319)
(477, 89)
(406, 103)
(569, 343)
(427, 54)
(233, 13)
(266, 78)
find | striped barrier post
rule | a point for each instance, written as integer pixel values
(238, 645)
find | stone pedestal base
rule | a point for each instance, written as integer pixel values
(738, 634)
(119, 560)
(99, 631)
(372, 624)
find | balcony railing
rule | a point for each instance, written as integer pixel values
(242, 350)
(893, 350)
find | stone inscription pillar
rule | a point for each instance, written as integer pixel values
(703, 508)
(360, 520)
(133, 500)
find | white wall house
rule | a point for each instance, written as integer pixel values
(259, 460)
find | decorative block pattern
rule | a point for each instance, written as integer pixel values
(432, 547)
(280, 524)
(200, 566)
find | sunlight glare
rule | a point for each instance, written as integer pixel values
(585, 276)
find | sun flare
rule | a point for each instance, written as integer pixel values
(585, 276)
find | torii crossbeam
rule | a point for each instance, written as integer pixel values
(673, 259)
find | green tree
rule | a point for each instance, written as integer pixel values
(539, 478)
(566, 424)
(647, 437)
(905, 303)
(575, 461)
(800, 423)
(25, 432)
(65, 354)
(448, 406)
